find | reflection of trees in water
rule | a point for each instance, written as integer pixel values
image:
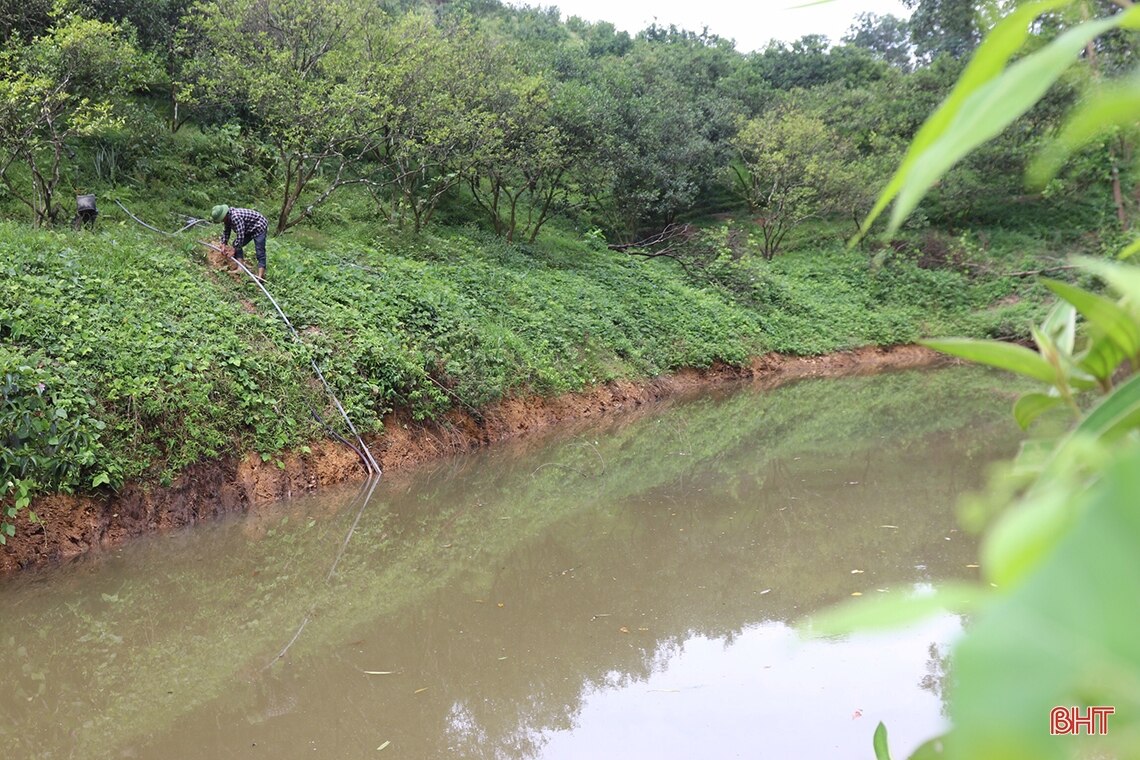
(514, 725)
(677, 525)
(937, 671)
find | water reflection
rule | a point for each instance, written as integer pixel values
(766, 693)
(625, 589)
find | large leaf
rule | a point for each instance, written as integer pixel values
(1123, 278)
(895, 608)
(1116, 105)
(882, 752)
(1024, 535)
(1065, 636)
(1032, 405)
(1003, 41)
(1061, 324)
(1007, 356)
(1115, 414)
(1115, 322)
(995, 105)
(1102, 357)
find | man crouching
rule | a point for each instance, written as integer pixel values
(246, 225)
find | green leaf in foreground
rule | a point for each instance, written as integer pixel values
(882, 751)
(893, 609)
(1123, 278)
(1002, 42)
(995, 105)
(1007, 356)
(1032, 405)
(1117, 413)
(1114, 106)
(1101, 357)
(1105, 314)
(1064, 637)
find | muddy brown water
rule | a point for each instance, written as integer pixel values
(631, 589)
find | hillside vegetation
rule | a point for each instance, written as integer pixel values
(470, 201)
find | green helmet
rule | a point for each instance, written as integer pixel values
(218, 213)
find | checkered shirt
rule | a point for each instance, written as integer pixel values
(246, 224)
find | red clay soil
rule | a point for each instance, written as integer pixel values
(73, 525)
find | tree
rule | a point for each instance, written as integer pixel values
(524, 166)
(601, 38)
(426, 84)
(886, 37)
(943, 27)
(287, 62)
(27, 19)
(54, 89)
(672, 112)
(792, 167)
(158, 26)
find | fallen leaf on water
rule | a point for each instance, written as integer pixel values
(973, 565)
(501, 604)
(856, 593)
(765, 591)
(854, 572)
(377, 672)
(382, 746)
(890, 526)
(420, 691)
(502, 658)
(623, 629)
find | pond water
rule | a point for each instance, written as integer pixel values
(632, 589)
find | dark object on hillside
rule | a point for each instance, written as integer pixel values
(85, 212)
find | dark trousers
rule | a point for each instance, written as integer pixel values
(258, 246)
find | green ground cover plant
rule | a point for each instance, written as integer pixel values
(178, 362)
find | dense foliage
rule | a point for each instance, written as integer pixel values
(159, 361)
(504, 116)
(461, 184)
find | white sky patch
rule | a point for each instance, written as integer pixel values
(751, 24)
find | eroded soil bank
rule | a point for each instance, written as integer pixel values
(73, 525)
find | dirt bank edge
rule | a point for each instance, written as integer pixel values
(73, 525)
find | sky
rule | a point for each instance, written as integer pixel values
(752, 23)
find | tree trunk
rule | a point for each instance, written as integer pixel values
(1118, 197)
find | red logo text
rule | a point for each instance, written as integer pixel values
(1070, 720)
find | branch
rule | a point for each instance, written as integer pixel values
(669, 236)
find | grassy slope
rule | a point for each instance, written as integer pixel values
(183, 363)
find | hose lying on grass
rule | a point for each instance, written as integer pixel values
(370, 463)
